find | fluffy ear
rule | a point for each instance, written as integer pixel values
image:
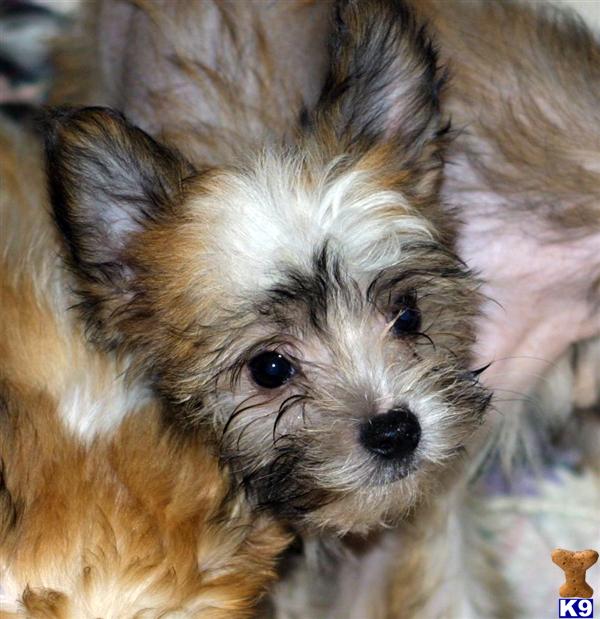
(107, 180)
(383, 84)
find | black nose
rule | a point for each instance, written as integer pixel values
(391, 435)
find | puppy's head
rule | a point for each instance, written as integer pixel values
(304, 304)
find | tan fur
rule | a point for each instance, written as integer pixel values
(240, 59)
(140, 523)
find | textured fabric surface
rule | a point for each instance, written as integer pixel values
(515, 526)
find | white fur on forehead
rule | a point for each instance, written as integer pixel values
(273, 216)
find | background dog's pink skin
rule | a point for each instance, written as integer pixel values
(538, 305)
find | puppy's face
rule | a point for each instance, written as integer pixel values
(303, 304)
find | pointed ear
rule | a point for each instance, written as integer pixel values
(383, 84)
(107, 180)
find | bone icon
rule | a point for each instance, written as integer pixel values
(575, 565)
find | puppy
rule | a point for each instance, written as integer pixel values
(141, 521)
(302, 306)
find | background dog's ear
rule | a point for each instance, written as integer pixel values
(383, 84)
(107, 180)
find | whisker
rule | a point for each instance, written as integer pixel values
(286, 405)
(251, 422)
(238, 410)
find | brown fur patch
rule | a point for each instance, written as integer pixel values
(235, 57)
(142, 520)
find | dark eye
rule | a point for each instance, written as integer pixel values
(271, 369)
(408, 321)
